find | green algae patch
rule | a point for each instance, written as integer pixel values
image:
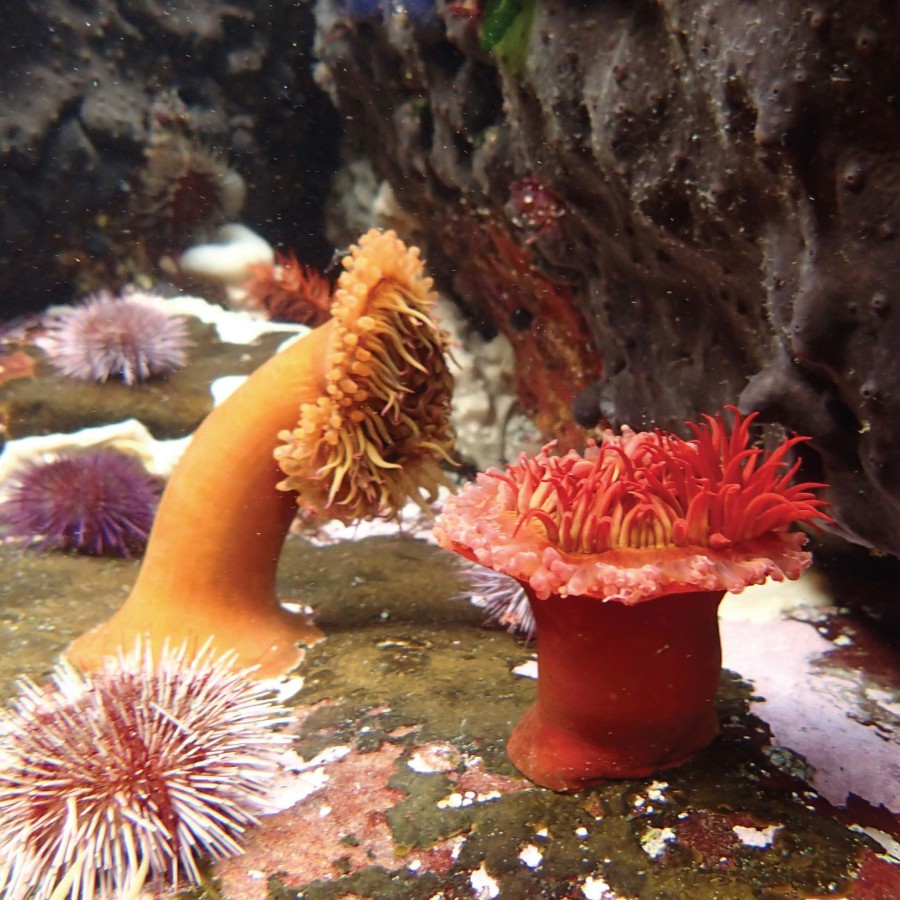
(378, 580)
(46, 599)
(398, 637)
(451, 683)
(376, 882)
(506, 29)
(418, 821)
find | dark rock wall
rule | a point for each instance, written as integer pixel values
(666, 206)
(78, 85)
(607, 116)
(727, 184)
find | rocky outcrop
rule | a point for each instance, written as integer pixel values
(121, 123)
(665, 206)
(714, 193)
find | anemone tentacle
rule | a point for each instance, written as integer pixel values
(670, 505)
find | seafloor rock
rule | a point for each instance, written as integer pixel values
(398, 785)
(43, 401)
(127, 129)
(658, 202)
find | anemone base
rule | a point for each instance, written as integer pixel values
(623, 691)
(266, 639)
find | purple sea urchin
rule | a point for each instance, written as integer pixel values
(107, 337)
(101, 502)
(502, 598)
(143, 767)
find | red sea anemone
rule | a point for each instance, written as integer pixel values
(289, 291)
(100, 503)
(109, 337)
(625, 553)
(142, 768)
(186, 188)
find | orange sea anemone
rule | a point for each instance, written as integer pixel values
(374, 394)
(376, 434)
(289, 291)
(625, 553)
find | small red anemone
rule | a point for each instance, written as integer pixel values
(289, 291)
(625, 553)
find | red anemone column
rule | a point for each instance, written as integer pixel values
(623, 690)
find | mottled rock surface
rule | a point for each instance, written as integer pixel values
(400, 731)
(82, 88)
(712, 213)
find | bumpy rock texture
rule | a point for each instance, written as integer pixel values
(678, 204)
(86, 89)
(665, 206)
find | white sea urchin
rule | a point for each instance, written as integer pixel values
(501, 597)
(145, 765)
(106, 337)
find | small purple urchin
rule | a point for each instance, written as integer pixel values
(501, 597)
(142, 768)
(101, 502)
(110, 336)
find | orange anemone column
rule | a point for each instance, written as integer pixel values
(353, 417)
(210, 565)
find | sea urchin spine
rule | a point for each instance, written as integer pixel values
(100, 503)
(115, 337)
(148, 764)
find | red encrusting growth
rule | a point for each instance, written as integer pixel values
(607, 544)
(554, 360)
(534, 208)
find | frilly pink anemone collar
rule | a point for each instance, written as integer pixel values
(639, 515)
